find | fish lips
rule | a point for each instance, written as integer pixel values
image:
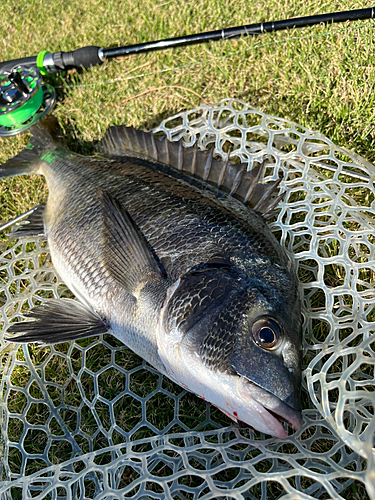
(275, 408)
(264, 378)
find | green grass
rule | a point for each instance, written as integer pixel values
(321, 77)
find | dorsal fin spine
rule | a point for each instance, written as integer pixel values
(136, 140)
(237, 182)
(258, 171)
(154, 153)
(223, 172)
(180, 161)
(208, 164)
(268, 213)
(266, 196)
(168, 158)
(194, 160)
(144, 144)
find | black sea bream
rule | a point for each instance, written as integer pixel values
(159, 245)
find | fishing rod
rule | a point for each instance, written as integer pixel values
(25, 98)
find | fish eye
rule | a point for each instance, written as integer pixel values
(266, 333)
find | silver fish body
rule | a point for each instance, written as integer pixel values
(181, 271)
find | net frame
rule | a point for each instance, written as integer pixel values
(65, 431)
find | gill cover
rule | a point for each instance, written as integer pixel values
(220, 338)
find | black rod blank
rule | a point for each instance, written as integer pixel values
(248, 30)
(87, 57)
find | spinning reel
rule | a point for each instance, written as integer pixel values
(24, 99)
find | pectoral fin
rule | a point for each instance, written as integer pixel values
(58, 320)
(127, 255)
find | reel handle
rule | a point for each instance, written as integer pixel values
(19, 84)
(24, 99)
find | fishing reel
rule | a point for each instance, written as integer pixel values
(24, 99)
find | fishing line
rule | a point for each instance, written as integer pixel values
(217, 58)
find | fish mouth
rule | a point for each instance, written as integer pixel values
(271, 410)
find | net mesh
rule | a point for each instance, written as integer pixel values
(90, 419)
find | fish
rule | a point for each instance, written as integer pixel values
(167, 248)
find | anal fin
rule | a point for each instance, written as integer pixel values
(30, 226)
(58, 320)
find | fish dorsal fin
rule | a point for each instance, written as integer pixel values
(127, 255)
(232, 178)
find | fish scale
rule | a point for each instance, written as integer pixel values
(173, 261)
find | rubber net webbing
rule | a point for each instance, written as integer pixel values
(90, 419)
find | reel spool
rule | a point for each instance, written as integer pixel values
(24, 99)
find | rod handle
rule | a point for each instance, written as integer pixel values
(86, 57)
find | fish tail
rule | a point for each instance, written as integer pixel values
(46, 136)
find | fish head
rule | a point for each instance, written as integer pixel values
(225, 339)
